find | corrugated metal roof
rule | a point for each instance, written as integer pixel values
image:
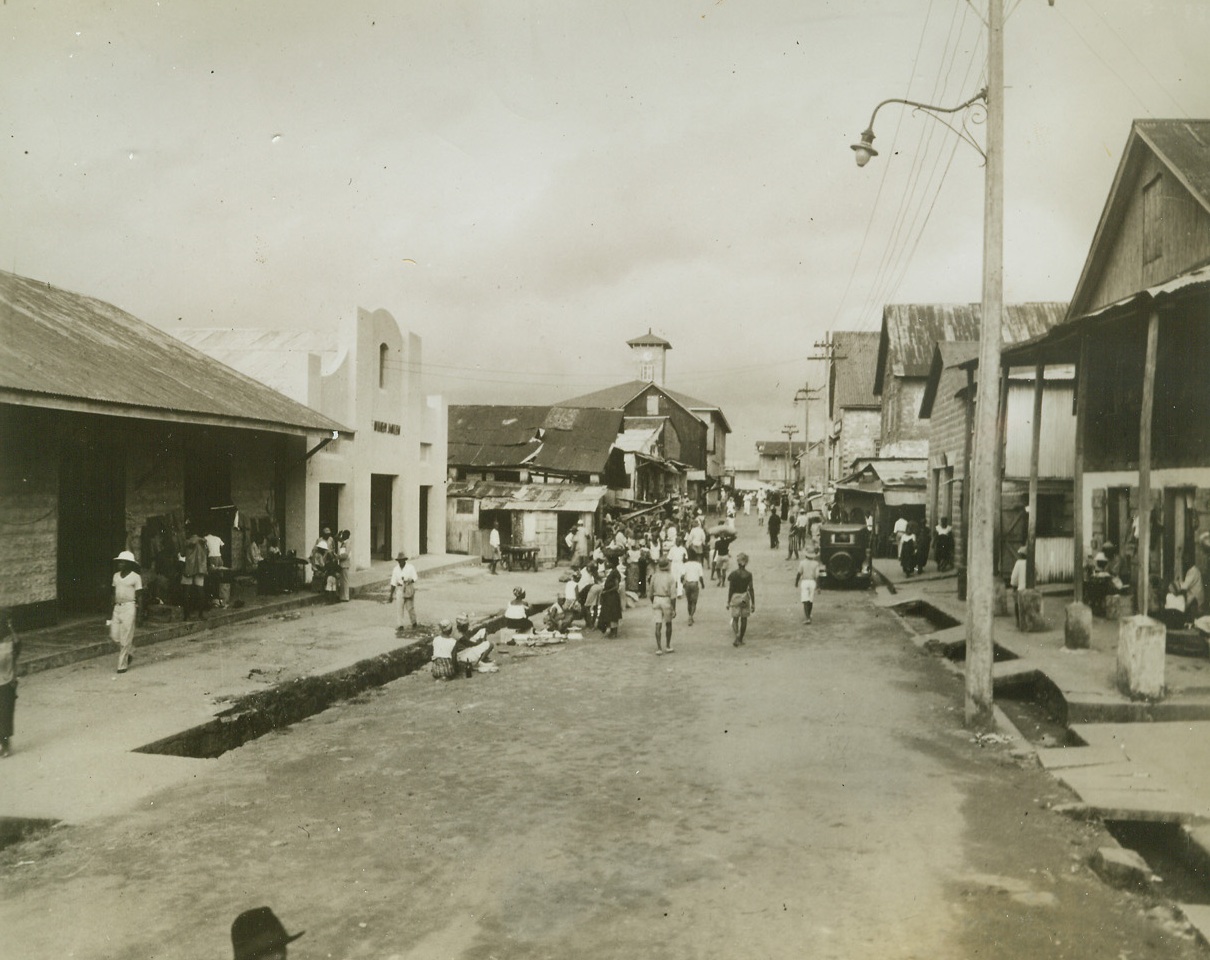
(610, 398)
(909, 330)
(58, 346)
(891, 473)
(1185, 146)
(495, 495)
(639, 439)
(851, 378)
(561, 439)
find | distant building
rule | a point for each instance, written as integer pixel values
(697, 428)
(115, 435)
(387, 485)
(776, 461)
(854, 409)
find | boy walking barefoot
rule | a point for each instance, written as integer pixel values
(806, 580)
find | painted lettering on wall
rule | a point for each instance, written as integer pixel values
(381, 426)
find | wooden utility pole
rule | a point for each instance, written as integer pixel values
(1035, 449)
(1143, 591)
(1077, 485)
(980, 635)
(831, 356)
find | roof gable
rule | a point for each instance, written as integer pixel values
(1181, 148)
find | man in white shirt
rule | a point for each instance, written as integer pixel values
(899, 530)
(493, 540)
(403, 591)
(693, 578)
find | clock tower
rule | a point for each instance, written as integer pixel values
(651, 357)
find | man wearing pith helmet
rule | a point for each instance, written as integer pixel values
(257, 934)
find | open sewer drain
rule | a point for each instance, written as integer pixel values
(263, 712)
(1171, 856)
(922, 617)
(260, 713)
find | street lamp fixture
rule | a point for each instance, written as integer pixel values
(864, 149)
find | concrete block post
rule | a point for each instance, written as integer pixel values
(1141, 648)
(1032, 620)
(1077, 628)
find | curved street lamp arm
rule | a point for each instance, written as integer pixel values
(865, 149)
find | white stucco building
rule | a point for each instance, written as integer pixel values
(386, 484)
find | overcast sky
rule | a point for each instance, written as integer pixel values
(527, 185)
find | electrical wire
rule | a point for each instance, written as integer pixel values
(915, 191)
(1139, 60)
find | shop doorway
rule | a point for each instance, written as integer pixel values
(329, 507)
(92, 524)
(382, 493)
(423, 547)
(208, 507)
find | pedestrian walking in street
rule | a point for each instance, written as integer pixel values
(127, 586)
(1018, 581)
(403, 592)
(193, 576)
(741, 598)
(493, 541)
(611, 602)
(661, 590)
(693, 578)
(907, 550)
(257, 934)
(806, 580)
(344, 560)
(10, 652)
(774, 530)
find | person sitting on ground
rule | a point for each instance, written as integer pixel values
(516, 614)
(472, 649)
(1193, 590)
(558, 617)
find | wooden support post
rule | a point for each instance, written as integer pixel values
(1035, 448)
(1145, 417)
(1001, 439)
(1077, 482)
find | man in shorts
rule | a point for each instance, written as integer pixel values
(661, 590)
(693, 578)
(806, 580)
(741, 599)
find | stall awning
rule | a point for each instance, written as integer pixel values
(552, 497)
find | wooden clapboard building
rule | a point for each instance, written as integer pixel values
(1138, 331)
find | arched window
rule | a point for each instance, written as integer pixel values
(383, 349)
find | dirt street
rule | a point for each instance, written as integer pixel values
(810, 795)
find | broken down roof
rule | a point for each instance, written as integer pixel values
(559, 439)
(558, 497)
